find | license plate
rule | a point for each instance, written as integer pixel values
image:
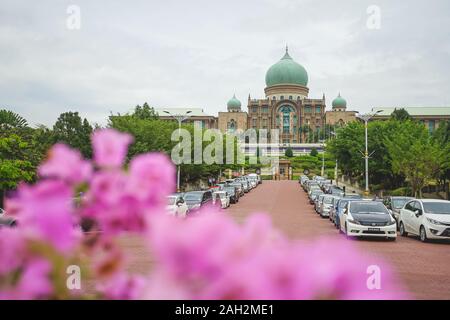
(374, 229)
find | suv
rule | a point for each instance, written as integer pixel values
(197, 199)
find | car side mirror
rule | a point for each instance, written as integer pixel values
(418, 212)
(345, 211)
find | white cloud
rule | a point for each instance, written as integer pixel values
(198, 53)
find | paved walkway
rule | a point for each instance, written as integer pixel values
(423, 267)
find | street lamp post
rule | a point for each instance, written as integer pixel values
(322, 172)
(180, 118)
(336, 168)
(366, 117)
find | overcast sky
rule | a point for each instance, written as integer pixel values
(198, 53)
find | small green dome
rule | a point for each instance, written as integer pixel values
(286, 71)
(234, 103)
(339, 102)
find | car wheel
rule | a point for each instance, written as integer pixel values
(423, 234)
(403, 232)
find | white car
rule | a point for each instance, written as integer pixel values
(176, 206)
(325, 205)
(367, 218)
(427, 218)
(223, 197)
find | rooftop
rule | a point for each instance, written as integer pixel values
(195, 112)
(416, 111)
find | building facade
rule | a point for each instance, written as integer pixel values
(286, 105)
(429, 116)
(196, 116)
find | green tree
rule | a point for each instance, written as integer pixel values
(313, 152)
(289, 153)
(15, 165)
(74, 131)
(145, 112)
(400, 115)
(441, 137)
(414, 154)
(9, 119)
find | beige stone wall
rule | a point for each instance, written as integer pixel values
(334, 117)
(240, 119)
(286, 90)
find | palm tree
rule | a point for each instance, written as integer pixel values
(11, 119)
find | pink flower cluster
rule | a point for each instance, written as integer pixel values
(208, 256)
(212, 257)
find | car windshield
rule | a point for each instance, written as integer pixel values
(328, 200)
(437, 207)
(171, 200)
(194, 196)
(368, 208)
(399, 203)
(342, 203)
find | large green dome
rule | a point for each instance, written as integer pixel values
(286, 71)
(339, 102)
(234, 103)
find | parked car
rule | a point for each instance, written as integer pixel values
(427, 218)
(255, 176)
(367, 218)
(317, 202)
(339, 210)
(7, 222)
(176, 205)
(223, 198)
(333, 208)
(325, 205)
(233, 193)
(198, 199)
(239, 187)
(395, 204)
(313, 196)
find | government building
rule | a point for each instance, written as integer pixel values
(288, 108)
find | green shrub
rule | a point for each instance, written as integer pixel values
(313, 152)
(289, 153)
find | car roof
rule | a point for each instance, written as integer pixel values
(433, 200)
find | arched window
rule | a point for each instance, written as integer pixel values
(287, 113)
(232, 125)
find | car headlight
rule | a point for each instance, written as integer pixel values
(434, 221)
(353, 221)
(390, 223)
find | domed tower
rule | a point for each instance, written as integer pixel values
(234, 105)
(339, 103)
(286, 79)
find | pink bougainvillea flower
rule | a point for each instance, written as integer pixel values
(66, 164)
(211, 257)
(46, 213)
(107, 187)
(123, 286)
(110, 147)
(152, 177)
(12, 248)
(35, 282)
